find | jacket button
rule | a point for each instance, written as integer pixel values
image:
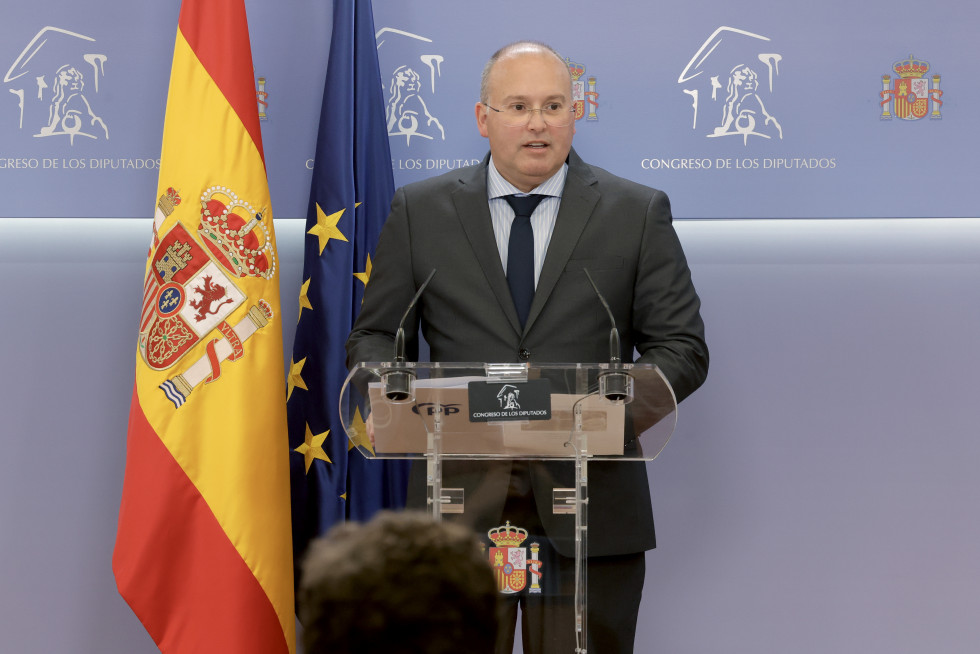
(524, 354)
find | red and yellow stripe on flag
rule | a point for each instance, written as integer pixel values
(203, 552)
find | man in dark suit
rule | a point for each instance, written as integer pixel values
(621, 232)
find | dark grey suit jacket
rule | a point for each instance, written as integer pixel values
(622, 233)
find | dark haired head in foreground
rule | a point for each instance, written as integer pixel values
(399, 583)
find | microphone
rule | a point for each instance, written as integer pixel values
(615, 385)
(397, 382)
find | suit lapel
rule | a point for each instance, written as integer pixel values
(473, 211)
(578, 200)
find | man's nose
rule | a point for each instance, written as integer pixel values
(536, 121)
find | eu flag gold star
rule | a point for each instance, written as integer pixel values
(304, 299)
(312, 447)
(295, 379)
(361, 439)
(366, 275)
(326, 226)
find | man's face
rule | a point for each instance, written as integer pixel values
(527, 156)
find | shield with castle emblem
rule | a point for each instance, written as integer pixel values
(911, 98)
(190, 288)
(510, 568)
(584, 96)
(508, 559)
(578, 98)
(188, 297)
(909, 95)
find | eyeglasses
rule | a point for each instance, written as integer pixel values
(518, 114)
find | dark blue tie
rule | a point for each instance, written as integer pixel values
(520, 253)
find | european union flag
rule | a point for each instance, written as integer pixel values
(349, 201)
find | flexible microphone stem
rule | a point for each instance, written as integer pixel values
(398, 382)
(614, 385)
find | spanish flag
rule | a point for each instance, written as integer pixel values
(203, 550)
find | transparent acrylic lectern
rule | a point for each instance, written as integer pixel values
(443, 413)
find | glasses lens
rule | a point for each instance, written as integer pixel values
(558, 118)
(519, 117)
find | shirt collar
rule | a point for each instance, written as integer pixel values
(498, 187)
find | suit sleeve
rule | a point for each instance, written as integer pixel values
(387, 294)
(667, 325)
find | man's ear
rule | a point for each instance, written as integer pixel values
(481, 118)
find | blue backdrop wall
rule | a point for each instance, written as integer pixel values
(819, 494)
(756, 109)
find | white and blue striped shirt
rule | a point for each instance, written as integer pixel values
(542, 220)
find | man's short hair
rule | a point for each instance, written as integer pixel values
(400, 583)
(514, 48)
